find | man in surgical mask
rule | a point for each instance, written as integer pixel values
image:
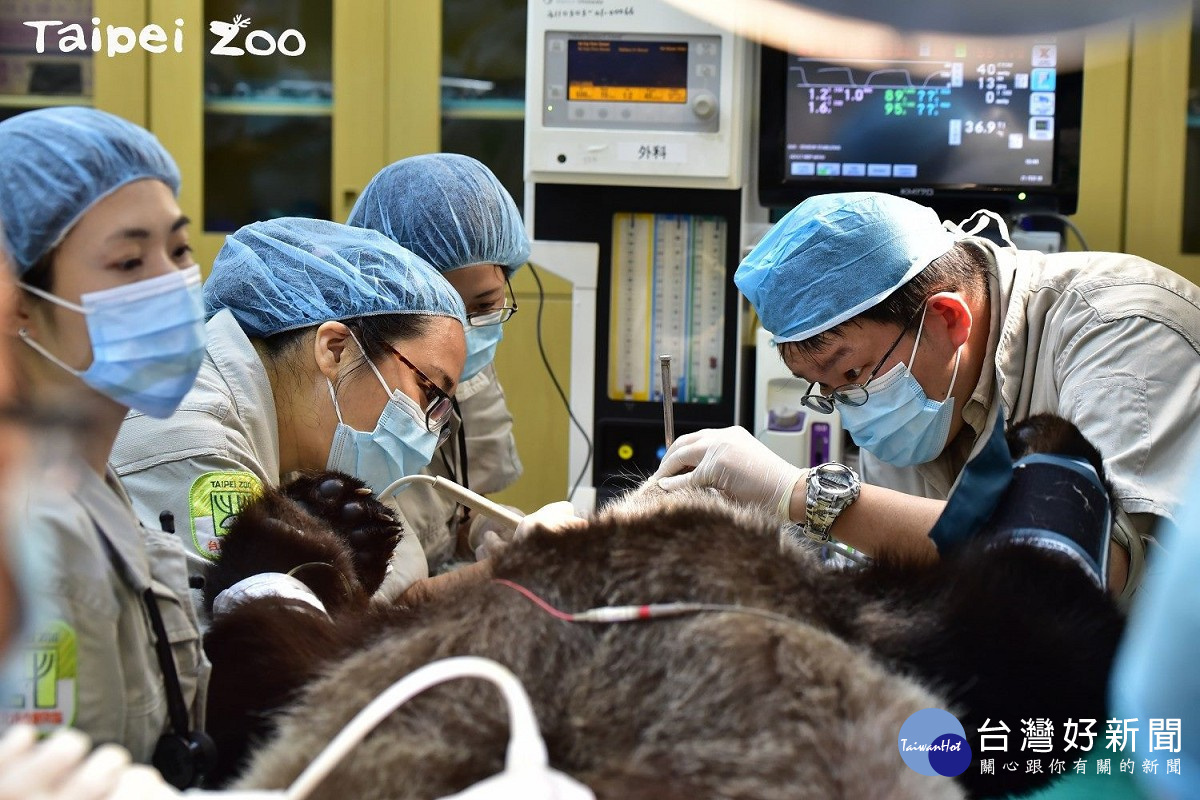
(924, 338)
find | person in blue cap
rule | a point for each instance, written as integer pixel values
(329, 348)
(453, 212)
(923, 336)
(108, 318)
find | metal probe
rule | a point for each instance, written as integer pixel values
(668, 393)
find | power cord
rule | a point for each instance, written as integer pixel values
(558, 387)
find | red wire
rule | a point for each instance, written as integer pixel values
(539, 602)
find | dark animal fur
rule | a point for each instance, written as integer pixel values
(266, 650)
(716, 705)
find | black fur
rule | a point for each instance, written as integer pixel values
(266, 650)
(719, 704)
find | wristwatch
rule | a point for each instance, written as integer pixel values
(831, 488)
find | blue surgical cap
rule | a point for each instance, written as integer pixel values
(449, 209)
(834, 256)
(295, 272)
(56, 163)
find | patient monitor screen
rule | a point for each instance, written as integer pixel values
(668, 298)
(627, 71)
(946, 114)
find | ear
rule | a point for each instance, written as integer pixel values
(330, 348)
(22, 315)
(955, 315)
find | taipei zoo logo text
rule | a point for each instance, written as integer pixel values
(114, 40)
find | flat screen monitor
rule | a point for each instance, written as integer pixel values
(956, 126)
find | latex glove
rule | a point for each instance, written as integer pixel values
(61, 768)
(732, 461)
(557, 517)
(488, 535)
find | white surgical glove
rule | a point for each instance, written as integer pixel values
(487, 536)
(62, 768)
(732, 461)
(557, 517)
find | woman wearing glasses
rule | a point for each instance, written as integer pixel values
(329, 347)
(451, 211)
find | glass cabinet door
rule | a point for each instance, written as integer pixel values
(292, 126)
(29, 79)
(483, 85)
(268, 119)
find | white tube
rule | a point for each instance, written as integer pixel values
(463, 495)
(525, 746)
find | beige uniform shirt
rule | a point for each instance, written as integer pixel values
(92, 665)
(218, 450)
(492, 463)
(1108, 341)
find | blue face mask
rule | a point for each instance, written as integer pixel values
(399, 446)
(899, 424)
(481, 348)
(147, 340)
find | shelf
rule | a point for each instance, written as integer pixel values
(484, 109)
(43, 100)
(270, 108)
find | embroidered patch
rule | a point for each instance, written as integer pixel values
(214, 501)
(46, 681)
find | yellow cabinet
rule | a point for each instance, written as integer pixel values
(323, 94)
(1163, 200)
(1140, 172)
(29, 79)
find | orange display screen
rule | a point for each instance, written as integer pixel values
(605, 70)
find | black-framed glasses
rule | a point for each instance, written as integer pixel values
(438, 405)
(494, 316)
(853, 394)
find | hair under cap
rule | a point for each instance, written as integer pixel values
(294, 272)
(56, 163)
(834, 256)
(447, 208)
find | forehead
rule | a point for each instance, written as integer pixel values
(851, 340)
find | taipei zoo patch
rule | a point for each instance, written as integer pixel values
(47, 682)
(214, 502)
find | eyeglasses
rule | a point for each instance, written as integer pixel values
(438, 406)
(494, 316)
(853, 394)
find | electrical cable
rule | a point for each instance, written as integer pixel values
(1065, 220)
(638, 613)
(557, 386)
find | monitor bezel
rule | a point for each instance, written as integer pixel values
(777, 189)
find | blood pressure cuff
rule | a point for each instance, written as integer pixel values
(1059, 504)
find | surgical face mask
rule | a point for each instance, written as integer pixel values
(481, 348)
(147, 340)
(399, 446)
(899, 424)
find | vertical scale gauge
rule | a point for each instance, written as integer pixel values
(632, 272)
(707, 334)
(672, 253)
(668, 297)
